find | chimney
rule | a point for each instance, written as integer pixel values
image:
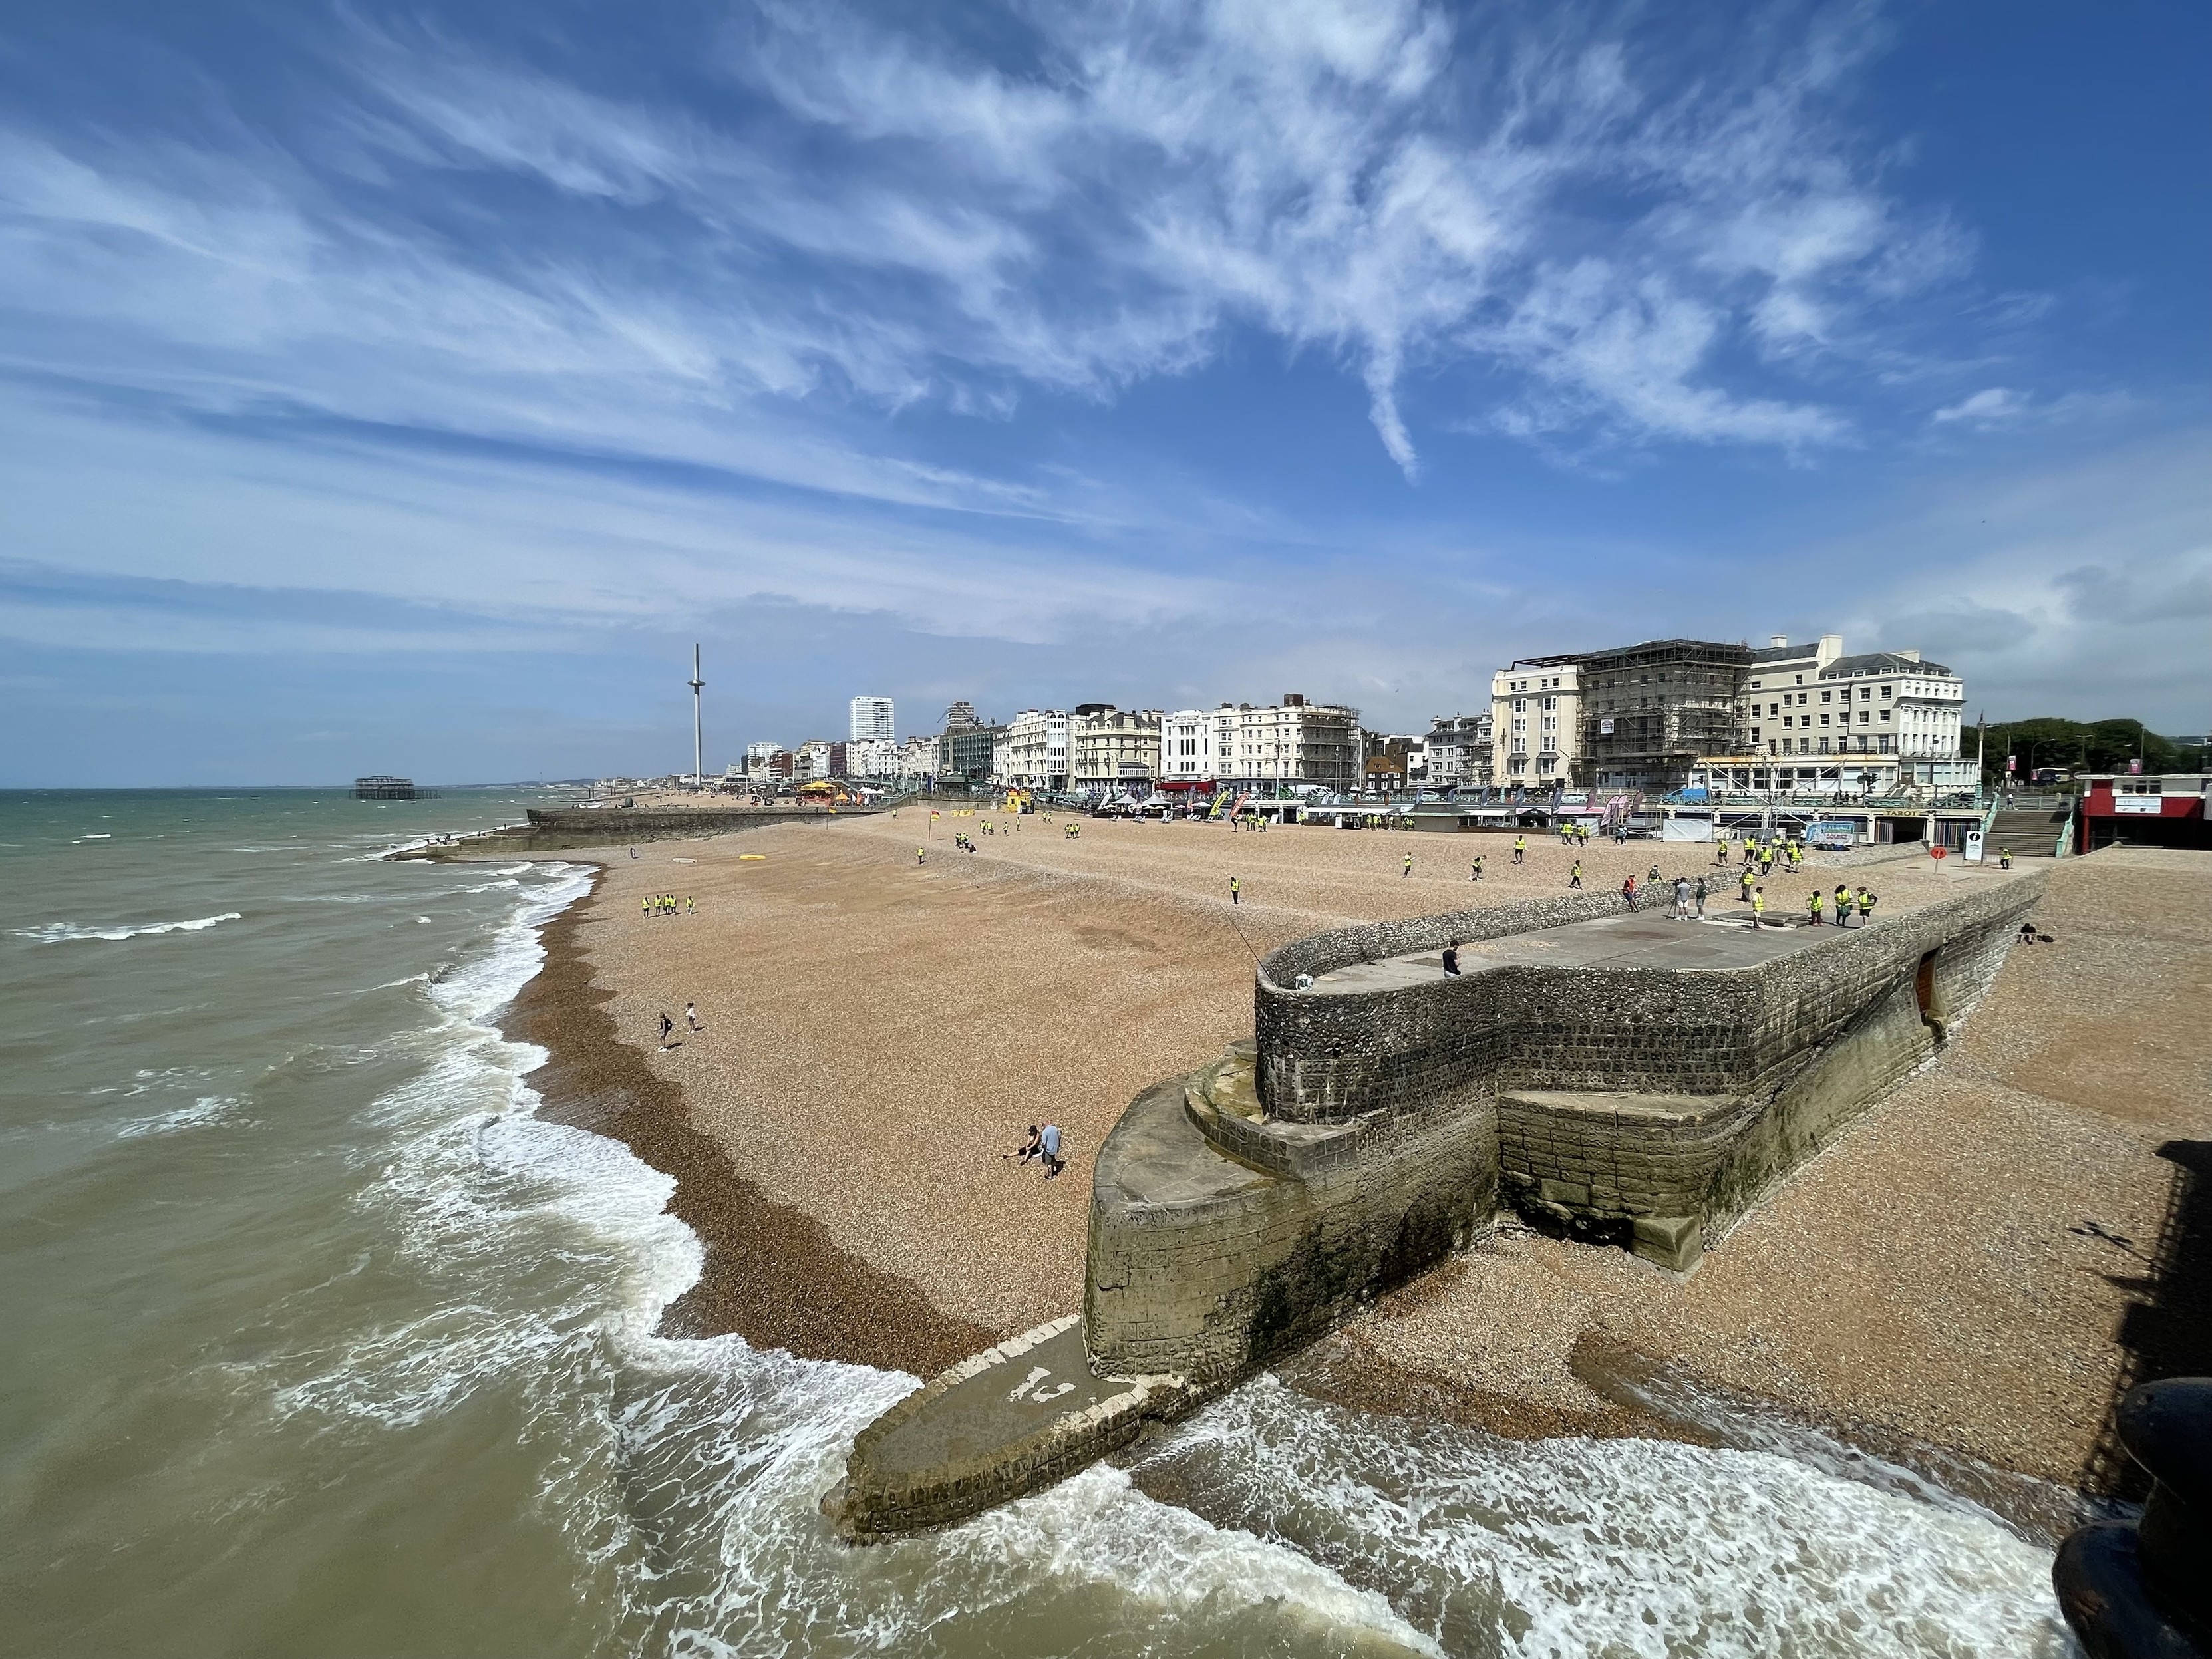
(1831, 646)
(1777, 641)
(1910, 656)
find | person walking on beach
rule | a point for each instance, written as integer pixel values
(1049, 1148)
(1477, 876)
(1575, 876)
(1520, 846)
(644, 907)
(690, 905)
(691, 1016)
(1408, 870)
(1235, 890)
(1628, 890)
(919, 857)
(1743, 885)
(667, 1025)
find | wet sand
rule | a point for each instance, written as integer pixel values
(880, 1031)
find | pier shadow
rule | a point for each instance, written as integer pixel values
(2167, 1331)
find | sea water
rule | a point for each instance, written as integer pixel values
(318, 1342)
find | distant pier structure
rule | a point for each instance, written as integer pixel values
(385, 788)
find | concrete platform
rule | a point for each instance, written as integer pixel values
(1642, 939)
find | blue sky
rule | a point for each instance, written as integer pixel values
(404, 389)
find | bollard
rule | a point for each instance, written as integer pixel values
(2141, 1589)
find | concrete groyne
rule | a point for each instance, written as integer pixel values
(1624, 1078)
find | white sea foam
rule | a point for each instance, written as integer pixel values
(59, 933)
(1575, 1546)
(208, 1108)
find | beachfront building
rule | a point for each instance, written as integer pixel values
(1114, 751)
(919, 758)
(814, 758)
(1458, 750)
(1652, 711)
(1187, 750)
(972, 750)
(1036, 750)
(870, 758)
(873, 721)
(1895, 716)
(1288, 744)
(1537, 723)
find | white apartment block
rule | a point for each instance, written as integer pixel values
(1112, 750)
(1187, 747)
(1036, 751)
(1292, 742)
(760, 751)
(1812, 700)
(1536, 723)
(871, 757)
(921, 757)
(873, 720)
(813, 759)
(1458, 747)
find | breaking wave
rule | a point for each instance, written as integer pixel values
(59, 933)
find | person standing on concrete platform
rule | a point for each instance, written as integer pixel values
(1701, 890)
(1520, 846)
(1759, 906)
(1575, 875)
(1451, 958)
(1866, 907)
(1235, 890)
(1681, 898)
(1842, 903)
(1814, 905)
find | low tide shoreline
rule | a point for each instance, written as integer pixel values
(770, 1273)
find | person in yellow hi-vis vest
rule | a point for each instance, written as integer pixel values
(1759, 906)
(1814, 905)
(1520, 846)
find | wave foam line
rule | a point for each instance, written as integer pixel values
(59, 933)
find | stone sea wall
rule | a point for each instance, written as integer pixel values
(1646, 1107)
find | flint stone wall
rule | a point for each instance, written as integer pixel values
(1651, 1105)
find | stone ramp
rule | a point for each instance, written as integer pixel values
(1004, 1422)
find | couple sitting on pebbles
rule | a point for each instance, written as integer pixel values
(1043, 1145)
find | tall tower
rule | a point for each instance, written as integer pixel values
(872, 719)
(695, 682)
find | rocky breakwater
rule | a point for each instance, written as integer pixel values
(1624, 1077)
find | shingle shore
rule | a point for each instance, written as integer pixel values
(880, 1031)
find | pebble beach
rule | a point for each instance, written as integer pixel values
(880, 1028)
